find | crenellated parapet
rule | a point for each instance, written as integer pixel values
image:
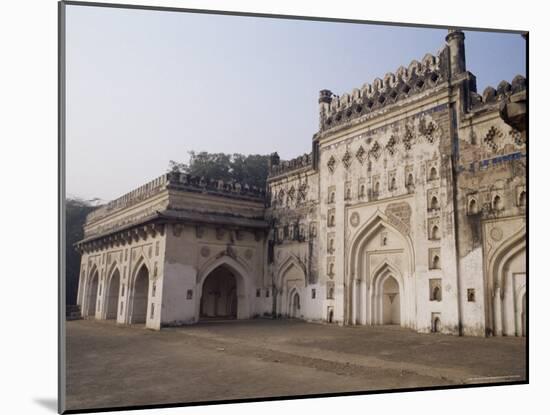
(226, 188)
(277, 167)
(182, 182)
(492, 98)
(381, 93)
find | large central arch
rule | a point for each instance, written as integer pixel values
(231, 278)
(380, 259)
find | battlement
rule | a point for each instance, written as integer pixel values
(403, 83)
(492, 97)
(179, 181)
(135, 196)
(277, 167)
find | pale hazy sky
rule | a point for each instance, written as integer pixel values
(146, 87)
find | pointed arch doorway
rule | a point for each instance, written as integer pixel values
(391, 305)
(219, 299)
(91, 294)
(140, 295)
(112, 296)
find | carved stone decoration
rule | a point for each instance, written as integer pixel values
(399, 215)
(177, 229)
(518, 138)
(291, 194)
(375, 150)
(427, 129)
(205, 251)
(281, 195)
(354, 219)
(248, 254)
(347, 159)
(230, 251)
(239, 235)
(331, 164)
(302, 192)
(490, 138)
(408, 137)
(360, 154)
(496, 234)
(390, 146)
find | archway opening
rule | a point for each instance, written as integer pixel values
(497, 203)
(391, 308)
(435, 233)
(472, 209)
(436, 325)
(295, 306)
(140, 296)
(92, 295)
(219, 297)
(112, 296)
(522, 199)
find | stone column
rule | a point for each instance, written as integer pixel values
(497, 304)
(353, 302)
(363, 300)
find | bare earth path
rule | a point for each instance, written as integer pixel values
(109, 365)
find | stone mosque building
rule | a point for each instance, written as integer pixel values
(409, 210)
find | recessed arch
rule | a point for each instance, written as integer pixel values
(522, 200)
(364, 233)
(434, 233)
(112, 293)
(387, 286)
(140, 295)
(361, 289)
(92, 287)
(472, 207)
(504, 286)
(497, 203)
(291, 283)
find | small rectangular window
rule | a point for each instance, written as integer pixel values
(189, 294)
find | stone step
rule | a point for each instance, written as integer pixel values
(73, 312)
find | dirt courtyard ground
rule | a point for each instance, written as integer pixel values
(109, 365)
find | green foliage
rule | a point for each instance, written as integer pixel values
(251, 169)
(75, 216)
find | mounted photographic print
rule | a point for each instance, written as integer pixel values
(262, 207)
